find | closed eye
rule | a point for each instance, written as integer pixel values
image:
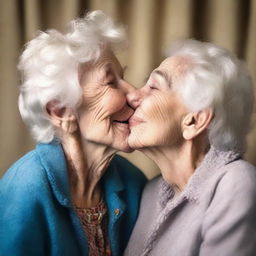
(153, 87)
(112, 83)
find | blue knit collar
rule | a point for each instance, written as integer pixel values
(53, 160)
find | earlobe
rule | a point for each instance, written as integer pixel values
(62, 117)
(188, 126)
(69, 124)
(195, 123)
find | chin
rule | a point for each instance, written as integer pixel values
(135, 146)
(128, 150)
(135, 143)
(124, 148)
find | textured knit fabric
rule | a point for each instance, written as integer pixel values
(214, 216)
(36, 213)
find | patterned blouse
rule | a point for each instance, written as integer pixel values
(94, 221)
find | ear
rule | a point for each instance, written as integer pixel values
(195, 123)
(62, 117)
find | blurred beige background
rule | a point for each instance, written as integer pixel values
(152, 25)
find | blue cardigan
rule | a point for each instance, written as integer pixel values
(36, 213)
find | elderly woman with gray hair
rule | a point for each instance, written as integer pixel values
(192, 118)
(71, 195)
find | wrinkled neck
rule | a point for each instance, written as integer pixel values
(87, 163)
(177, 164)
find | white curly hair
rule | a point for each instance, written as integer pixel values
(216, 78)
(49, 67)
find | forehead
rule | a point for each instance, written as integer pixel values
(106, 61)
(175, 65)
(108, 58)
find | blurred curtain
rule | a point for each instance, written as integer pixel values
(152, 25)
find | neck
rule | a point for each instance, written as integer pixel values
(177, 164)
(87, 163)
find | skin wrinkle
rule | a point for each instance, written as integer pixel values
(160, 112)
(103, 76)
(103, 100)
(163, 75)
(159, 115)
(98, 109)
(103, 69)
(88, 182)
(161, 134)
(96, 106)
(93, 102)
(176, 177)
(181, 66)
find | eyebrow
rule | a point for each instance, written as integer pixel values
(110, 69)
(163, 74)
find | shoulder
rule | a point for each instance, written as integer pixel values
(238, 177)
(153, 185)
(27, 170)
(128, 171)
(24, 189)
(241, 168)
(235, 185)
(151, 191)
(25, 180)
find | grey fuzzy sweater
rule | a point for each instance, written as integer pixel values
(214, 215)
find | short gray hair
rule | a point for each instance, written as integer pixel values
(217, 79)
(49, 67)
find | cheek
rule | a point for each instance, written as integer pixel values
(158, 109)
(97, 108)
(91, 111)
(163, 120)
(103, 99)
(92, 94)
(114, 100)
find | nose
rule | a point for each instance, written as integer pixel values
(134, 98)
(127, 87)
(133, 95)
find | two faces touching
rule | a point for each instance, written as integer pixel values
(117, 114)
(187, 118)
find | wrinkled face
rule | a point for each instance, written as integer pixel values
(104, 113)
(158, 108)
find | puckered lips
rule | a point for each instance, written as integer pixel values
(134, 120)
(121, 121)
(123, 116)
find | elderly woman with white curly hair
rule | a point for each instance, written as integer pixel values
(192, 118)
(71, 195)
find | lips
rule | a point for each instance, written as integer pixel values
(123, 116)
(121, 122)
(135, 121)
